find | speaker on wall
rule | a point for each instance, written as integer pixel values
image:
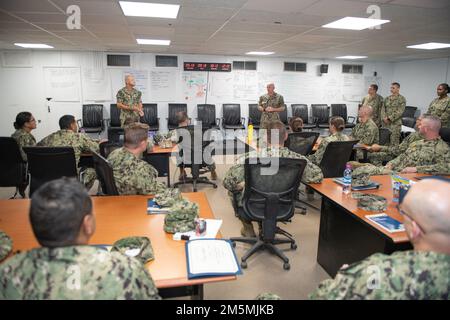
(323, 68)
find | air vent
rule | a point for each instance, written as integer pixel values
(295, 66)
(118, 60)
(166, 61)
(244, 65)
(352, 68)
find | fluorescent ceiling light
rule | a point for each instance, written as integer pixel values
(430, 46)
(153, 10)
(351, 57)
(154, 42)
(353, 23)
(260, 53)
(33, 45)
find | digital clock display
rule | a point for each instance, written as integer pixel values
(207, 66)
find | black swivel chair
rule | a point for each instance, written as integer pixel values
(49, 163)
(254, 115)
(284, 116)
(445, 135)
(301, 111)
(174, 108)
(106, 147)
(321, 115)
(232, 116)
(269, 199)
(105, 175)
(150, 116)
(302, 142)
(14, 168)
(192, 155)
(92, 120)
(206, 115)
(385, 136)
(340, 110)
(335, 157)
(408, 122)
(114, 128)
(409, 112)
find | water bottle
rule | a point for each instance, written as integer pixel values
(250, 132)
(347, 179)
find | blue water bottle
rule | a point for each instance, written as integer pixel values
(347, 181)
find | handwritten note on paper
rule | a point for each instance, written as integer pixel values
(211, 257)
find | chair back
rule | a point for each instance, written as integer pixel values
(150, 114)
(206, 114)
(409, 122)
(254, 115)
(301, 111)
(174, 108)
(231, 113)
(335, 157)
(302, 142)
(283, 116)
(321, 113)
(409, 112)
(92, 116)
(445, 134)
(385, 136)
(271, 187)
(114, 115)
(105, 175)
(339, 110)
(107, 147)
(49, 163)
(13, 172)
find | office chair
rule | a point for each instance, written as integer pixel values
(106, 147)
(301, 111)
(254, 115)
(232, 116)
(409, 112)
(385, 136)
(445, 135)
(408, 122)
(50, 163)
(150, 116)
(302, 142)
(283, 116)
(105, 175)
(340, 110)
(321, 115)
(191, 155)
(268, 199)
(114, 128)
(174, 108)
(206, 115)
(14, 168)
(92, 120)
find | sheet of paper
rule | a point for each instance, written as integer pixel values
(211, 256)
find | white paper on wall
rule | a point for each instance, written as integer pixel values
(62, 83)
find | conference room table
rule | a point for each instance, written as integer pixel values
(123, 216)
(346, 235)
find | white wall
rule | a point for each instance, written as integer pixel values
(419, 79)
(23, 88)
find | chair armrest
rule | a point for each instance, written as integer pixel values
(351, 117)
(217, 121)
(80, 123)
(243, 121)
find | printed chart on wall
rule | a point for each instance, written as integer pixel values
(62, 84)
(194, 86)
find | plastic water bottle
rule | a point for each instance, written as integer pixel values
(249, 132)
(347, 179)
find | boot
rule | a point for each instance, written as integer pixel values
(247, 229)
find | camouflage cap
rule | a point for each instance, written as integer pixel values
(370, 202)
(181, 217)
(168, 197)
(138, 247)
(267, 296)
(360, 178)
(6, 245)
(160, 137)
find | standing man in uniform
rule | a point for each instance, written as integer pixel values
(129, 101)
(391, 113)
(374, 100)
(270, 104)
(440, 107)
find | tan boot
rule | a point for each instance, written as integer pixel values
(247, 230)
(213, 175)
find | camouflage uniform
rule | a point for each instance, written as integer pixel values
(132, 175)
(393, 108)
(405, 275)
(388, 153)
(367, 133)
(316, 157)
(268, 296)
(5, 245)
(131, 99)
(235, 175)
(275, 101)
(376, 103)
(80, 143)
(428, 156)
(441, 109)
(75, 272)
(24, 139)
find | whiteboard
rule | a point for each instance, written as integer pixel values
(194, 86)
(220, 86)
(163, 85)
(96, 84)
(62, 83)
(141, 80)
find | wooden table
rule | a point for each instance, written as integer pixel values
(118, 217)
(159, 158)
(345, 234)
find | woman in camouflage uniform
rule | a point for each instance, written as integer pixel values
(24, 124)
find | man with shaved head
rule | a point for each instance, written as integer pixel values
(270, 105)
(129, 101)
(392, 111)
(366, 131)
(419, 274)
